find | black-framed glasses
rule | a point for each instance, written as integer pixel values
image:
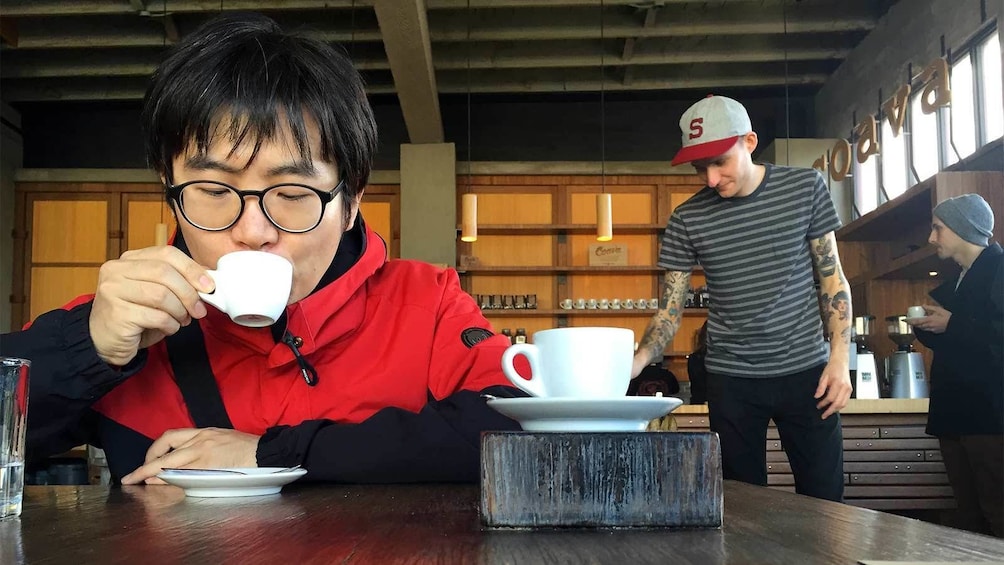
(216, 206)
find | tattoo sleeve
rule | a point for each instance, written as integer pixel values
(834, 292)
(665, 323)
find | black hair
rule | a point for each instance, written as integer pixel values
(241, 71)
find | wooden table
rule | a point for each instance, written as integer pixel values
(439, 524)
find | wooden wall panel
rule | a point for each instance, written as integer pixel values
(627, 207)
(142, 217)
(514, 208)
(52, 287)
(69, 231)
(514, 251)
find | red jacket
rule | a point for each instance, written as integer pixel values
(401, 354)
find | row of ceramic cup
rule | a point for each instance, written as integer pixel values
(605, 304)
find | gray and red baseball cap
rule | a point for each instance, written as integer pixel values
(711, 127)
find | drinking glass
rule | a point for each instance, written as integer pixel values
(13, 422)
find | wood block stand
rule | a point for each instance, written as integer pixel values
(615, 479)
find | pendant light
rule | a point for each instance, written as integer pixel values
(469, 201)
(604, 200)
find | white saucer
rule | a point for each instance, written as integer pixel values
(211, 483)
(622, 414)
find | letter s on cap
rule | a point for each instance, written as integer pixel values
(695, 128)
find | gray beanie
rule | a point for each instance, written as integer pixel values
(969, 216)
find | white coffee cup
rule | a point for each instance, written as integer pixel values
(587, 362)
(628, 304)
(916, 312)
(593, 304)
(615, 304)
(566, 304)
(604, 304)
(580, 304)
(252, 287)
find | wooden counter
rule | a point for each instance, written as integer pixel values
(890, 463)
(854, 406)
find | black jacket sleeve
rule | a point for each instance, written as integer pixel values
(438, 444)
(66, 377)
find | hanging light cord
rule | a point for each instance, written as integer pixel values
(469, 95)
(603, 121)
(787, 108)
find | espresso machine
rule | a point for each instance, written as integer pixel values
(864, 377)
(905, 367)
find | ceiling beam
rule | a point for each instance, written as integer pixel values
(650, 13)
(135, 62)
(130, 31)
(41, 8)
(405, 31)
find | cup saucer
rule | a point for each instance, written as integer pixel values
(217, 483)
(620, 414)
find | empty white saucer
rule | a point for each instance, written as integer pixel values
(249, 481)
(622, 414)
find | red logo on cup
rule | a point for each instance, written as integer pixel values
(695, 128)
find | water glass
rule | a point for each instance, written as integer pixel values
(13, 423)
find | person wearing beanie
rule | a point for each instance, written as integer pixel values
(759, 231)
(964, 330)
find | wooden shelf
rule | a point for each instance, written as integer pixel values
(546, 229)
(550, 270)
(609, 312)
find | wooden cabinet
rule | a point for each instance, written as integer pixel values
(65, 229)
(534, 233)
(886, 257)
(889, 462)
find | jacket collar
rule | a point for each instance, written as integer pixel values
(978, 275)
(326, 314)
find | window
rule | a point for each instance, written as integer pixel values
(894, 176)
(865, 184)
(963, 111)
(993, 101)
(924, 141)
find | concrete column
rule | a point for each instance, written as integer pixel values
(803, 152)
(429, 202)
(10, 160)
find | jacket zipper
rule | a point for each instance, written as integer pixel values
(306, 369)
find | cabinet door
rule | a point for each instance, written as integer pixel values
(142, 214)
(70, 236)
(382, 214)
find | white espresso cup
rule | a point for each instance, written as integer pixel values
(252, 287)
(588, 362)
(916, 312)
(566, 304)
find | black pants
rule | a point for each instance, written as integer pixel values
(740, 409)
(975, 467)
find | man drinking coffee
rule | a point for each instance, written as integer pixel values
(372, 373)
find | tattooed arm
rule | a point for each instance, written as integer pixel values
(665, 322)
(835, 301)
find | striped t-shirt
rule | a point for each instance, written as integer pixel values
(764, 316)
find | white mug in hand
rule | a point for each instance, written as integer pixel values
(915, 312)
(252, 287)
(574, 362)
